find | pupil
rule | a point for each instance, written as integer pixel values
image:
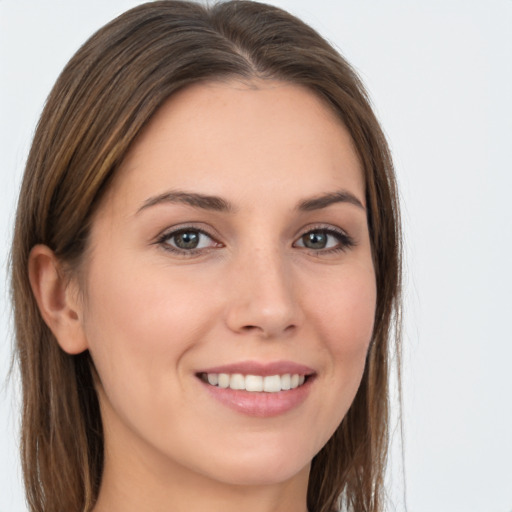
(187, 240)
(315, 240)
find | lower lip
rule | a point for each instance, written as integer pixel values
(261, 404)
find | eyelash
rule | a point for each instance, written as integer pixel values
(344, 241)
(163, 241)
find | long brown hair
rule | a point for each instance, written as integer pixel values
(104, 97)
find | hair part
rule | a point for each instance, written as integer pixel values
(102, 100)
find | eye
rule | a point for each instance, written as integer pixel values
(187, 240)
(325, 240)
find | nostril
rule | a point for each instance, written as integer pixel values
(267, 333)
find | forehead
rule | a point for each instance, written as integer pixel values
(242, 139)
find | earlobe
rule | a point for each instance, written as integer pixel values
(57, 298)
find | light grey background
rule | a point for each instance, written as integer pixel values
(440, 75)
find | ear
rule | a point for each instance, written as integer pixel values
(58, 299)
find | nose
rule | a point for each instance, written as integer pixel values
(263, 297)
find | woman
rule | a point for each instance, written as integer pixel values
(205, 271)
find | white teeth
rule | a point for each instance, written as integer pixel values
(223, 380)
(286, 382)
(255, 383)
(272, 384)
(213, 379)
(237, 381)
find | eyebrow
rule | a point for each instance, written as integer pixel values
(215, 203)
(195, 200)
(325, 200)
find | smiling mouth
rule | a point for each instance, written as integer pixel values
(255, 383)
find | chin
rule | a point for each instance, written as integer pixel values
(260, 467)
(264, 476)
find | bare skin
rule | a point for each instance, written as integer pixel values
(235, 232)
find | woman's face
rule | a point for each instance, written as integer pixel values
(232, 249)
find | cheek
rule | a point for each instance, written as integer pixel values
(343, 318)
(142, 323)
(345, 312)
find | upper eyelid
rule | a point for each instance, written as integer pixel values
(322, 227)
(168, 232)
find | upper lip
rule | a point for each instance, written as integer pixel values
(259, 368)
